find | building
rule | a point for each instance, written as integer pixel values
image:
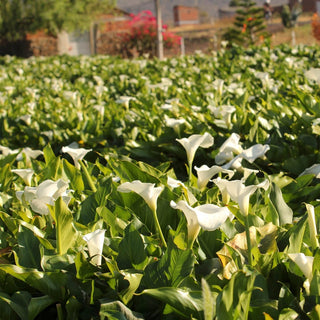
(183, 15)
(307, 5)
(99, 39)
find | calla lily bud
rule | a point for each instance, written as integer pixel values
(95, 242)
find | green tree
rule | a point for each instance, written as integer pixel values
(248, 26)
(234, 3)
(290, 18)
(18, 17)
(70, 15)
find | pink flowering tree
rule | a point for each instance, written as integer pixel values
(142, 35)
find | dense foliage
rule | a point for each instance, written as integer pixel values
(249, 26)
(17, 17)
(145, 189)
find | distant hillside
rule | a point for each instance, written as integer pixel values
(209, 8)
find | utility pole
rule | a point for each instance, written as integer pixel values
(159, 30)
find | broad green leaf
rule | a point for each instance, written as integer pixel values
(49, 283)
(284, 212)
(116, 310)
(234, 300)
(296, 236)
(74, 175)
(131, 250)
(185, 302)
(288, 314)
(28, 248)
(65, 232)
(209, 306)
(134, 280)
(173, 267)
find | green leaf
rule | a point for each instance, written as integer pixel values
(284, 212)
(171, 269)
(296, 235)
(116, 310)
(131, 250)
(50, 283)
(186, 303)
(74, 175)
(65, 232)
(128, 171)
(234, 300)
(53, 164)
(134, 280)
(208, 301)
(28, 248)
(288, 314)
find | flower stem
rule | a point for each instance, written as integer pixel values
(154, 212)
(190, 171)
(88, 177)
(249, 246)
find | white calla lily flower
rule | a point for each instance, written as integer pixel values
(29, 154)
(303, 262)
(205, 174)
(192, 144)
(46, 193)
(24, 174)
(238, 192)
(254, 152)
(209, 217)
(146, 190)
(228, 148)
(95, 241)
(76, 154)
(314, 169)
(313, 75)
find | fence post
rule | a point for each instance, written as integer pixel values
(159, 30)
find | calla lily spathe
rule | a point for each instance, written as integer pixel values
(46, 193)
(250, 154)
(76, 154)
(146, 190)
(228, 148)
(205, 174)
(192, 143)
(24, 174)
(238, 192)
(304, 263)
(95, 241)
(208, 216)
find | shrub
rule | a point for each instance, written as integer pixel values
(142, 35)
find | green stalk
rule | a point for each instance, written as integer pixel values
(154, 212)
(59, 311)
(88, 177)
(249, 246)
(190, 171)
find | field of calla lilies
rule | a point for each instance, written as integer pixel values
(143, 189)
